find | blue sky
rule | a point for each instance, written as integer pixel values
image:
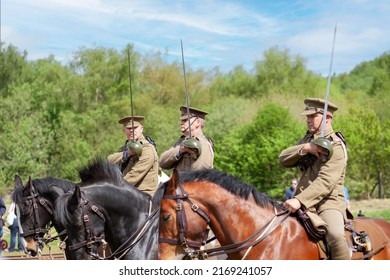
(223, 33)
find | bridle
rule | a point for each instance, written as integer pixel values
(201, 253)
(181, 222)
(90, 237)
(37, 229)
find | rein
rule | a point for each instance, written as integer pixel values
(136, 236)
(264, 231)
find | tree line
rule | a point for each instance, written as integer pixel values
(56, 117)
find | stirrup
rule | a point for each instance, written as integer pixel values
(362, 241)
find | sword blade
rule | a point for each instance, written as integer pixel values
(185, 86)
(131, 92)
(328, 84)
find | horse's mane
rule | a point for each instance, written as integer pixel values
(42, 186)
(158, 195)
(61, 204)
(101, 170)
(229, 183)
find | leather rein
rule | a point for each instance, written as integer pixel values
(201, 253)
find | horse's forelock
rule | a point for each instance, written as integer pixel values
(17, 194)
(61, 212)
(227, 182)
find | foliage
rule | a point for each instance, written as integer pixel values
(55, 117)
(255, 147)
(280, 72)
(12, 68)
(361, 128)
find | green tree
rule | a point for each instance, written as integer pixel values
(12, 68)
(237, 83)
(365, 136)
(251, 152)
(280, 72)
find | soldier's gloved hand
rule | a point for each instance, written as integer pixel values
(292, 205)
(128, 154)
(188, 151)
(131, 153)
(314, 149)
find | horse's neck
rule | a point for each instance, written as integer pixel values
(238, 219)
(131, 225)
(125, 210)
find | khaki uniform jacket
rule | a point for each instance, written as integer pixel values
(321, 186)
(140, 172)
(170, 159)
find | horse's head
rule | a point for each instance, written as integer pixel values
(34, 214)
(178, 237)
(84, 223)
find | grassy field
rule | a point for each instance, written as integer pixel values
(54, 246)
(379, 208)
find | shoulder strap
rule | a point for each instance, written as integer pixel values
(151, 141)
(211, 143)
(343, 144)
(341, 136)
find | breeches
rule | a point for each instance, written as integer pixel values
(335, 236)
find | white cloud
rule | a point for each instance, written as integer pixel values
(214, 32)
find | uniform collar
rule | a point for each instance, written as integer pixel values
(328, 131)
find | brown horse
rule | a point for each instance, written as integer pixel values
(248, 224)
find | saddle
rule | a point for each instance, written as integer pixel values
(358, 241)
(313, 224)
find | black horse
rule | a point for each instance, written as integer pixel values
(125, 217)
(35, 204)
(35, 208)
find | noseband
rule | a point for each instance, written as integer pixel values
(181, 222)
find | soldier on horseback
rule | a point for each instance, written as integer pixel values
(139, 166)
(322, 161)
(188, 153)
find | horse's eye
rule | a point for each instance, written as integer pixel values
(166, 217)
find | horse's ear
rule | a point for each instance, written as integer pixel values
(173, 182)
(76, 197)
(29, 183)
(18, 182)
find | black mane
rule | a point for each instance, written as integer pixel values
(229, 183)
(101, 170)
